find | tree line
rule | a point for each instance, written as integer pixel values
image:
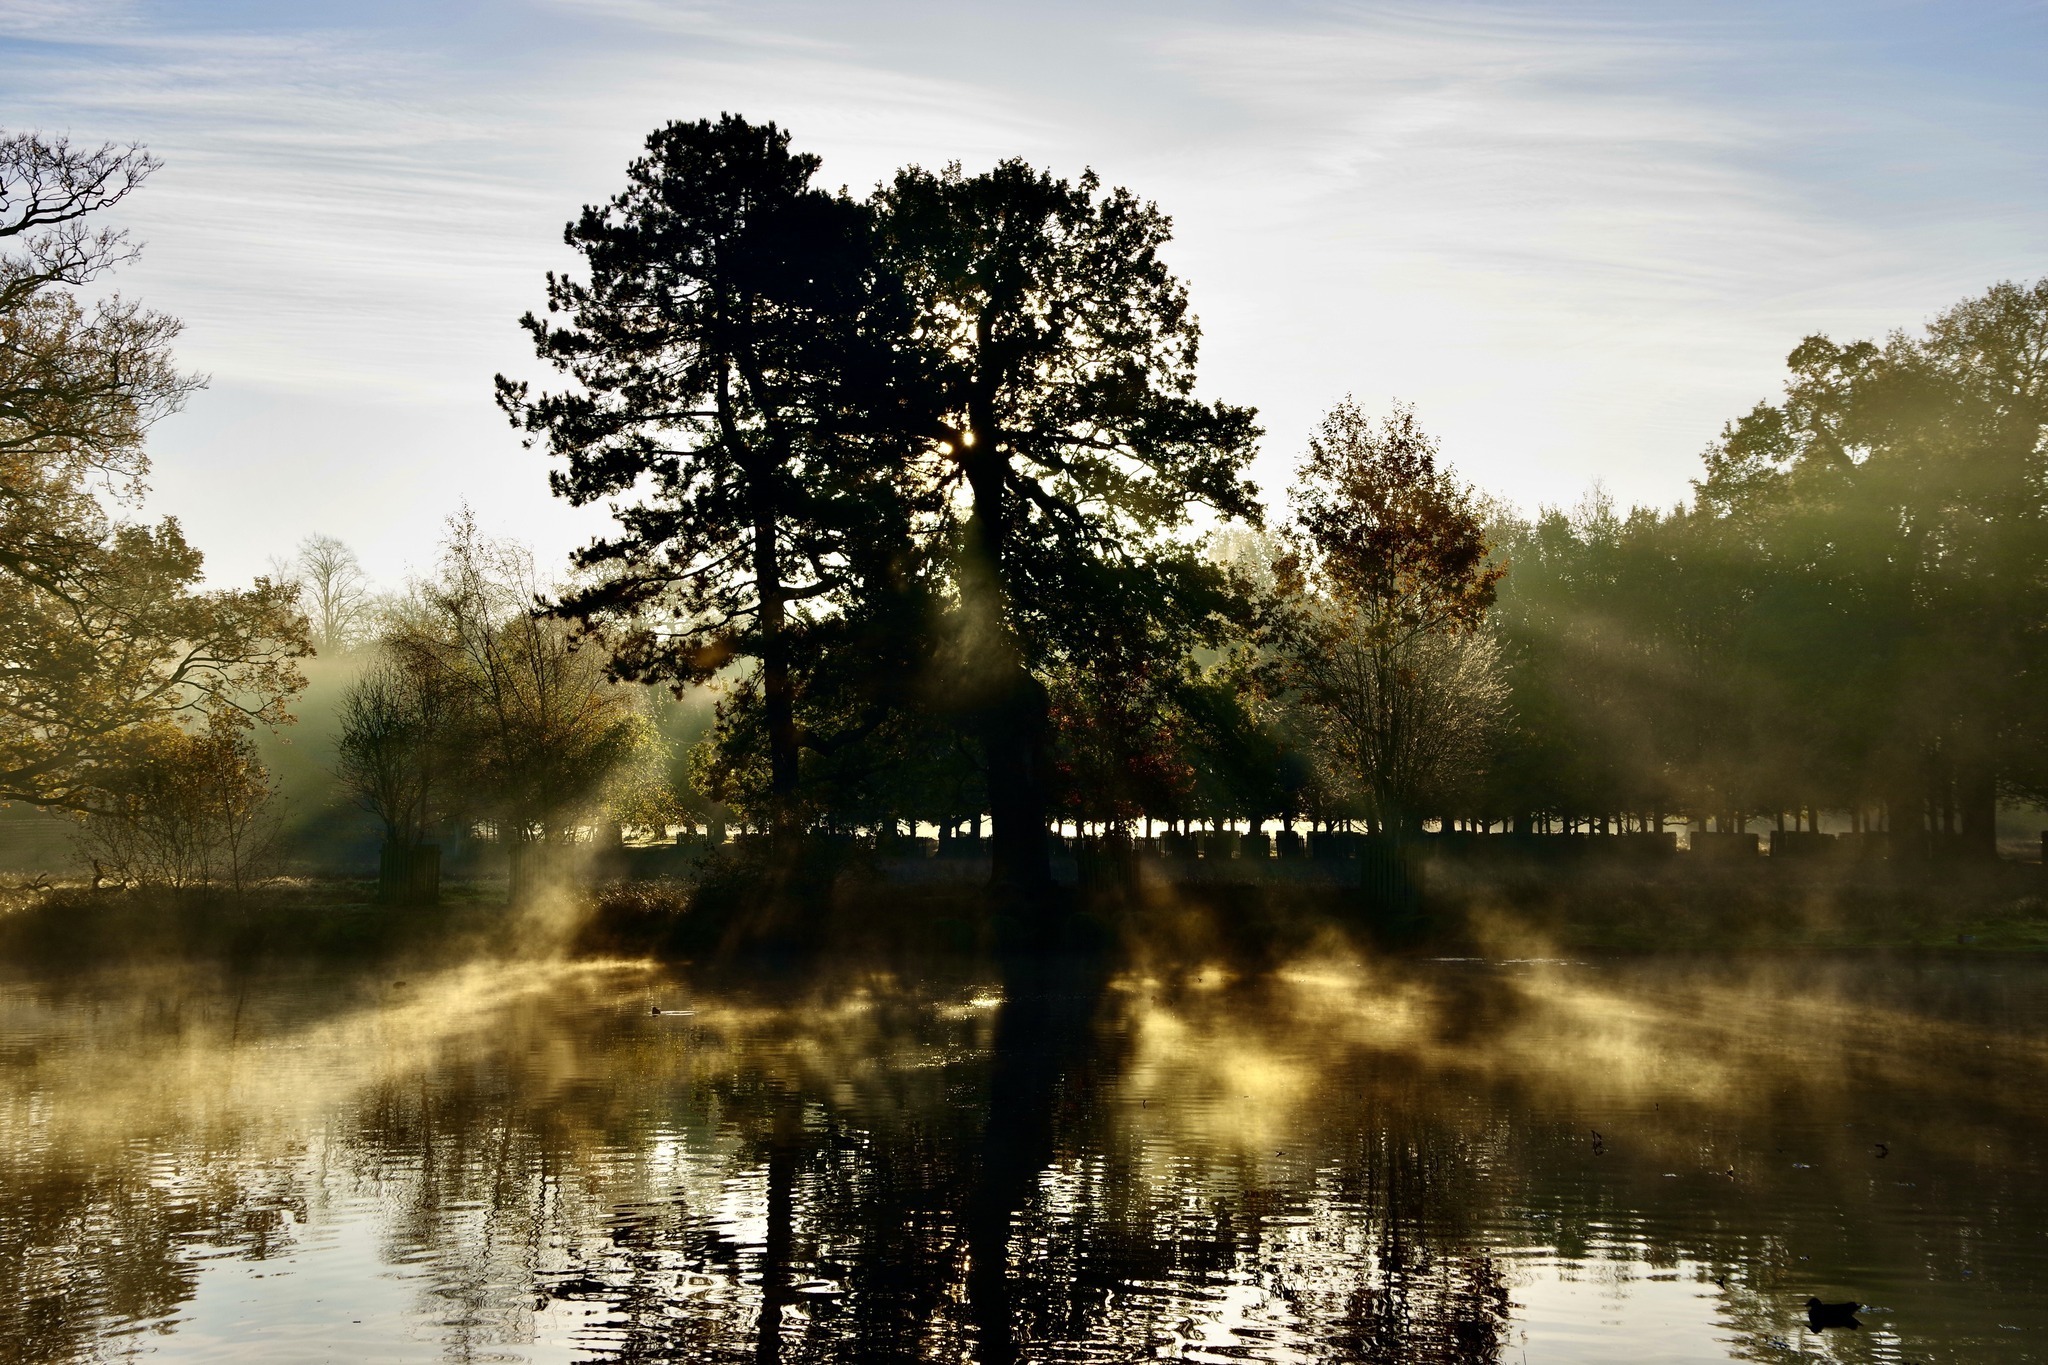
(920, 485)
(922, 472)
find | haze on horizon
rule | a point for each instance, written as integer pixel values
(1578, 237)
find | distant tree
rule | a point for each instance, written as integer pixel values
(536, 732)
(334, 593)
(1631, 692)
(1248, 760)
(1119, 751)
(392, 751)
(1062, 359)
(640, 793)
(1254, 742)
(1411, 723)
(1848, 618)
(1140, 724)
(102, 624)
(1892, 508)
(1392, 581)
(733, 351)
(182, 809)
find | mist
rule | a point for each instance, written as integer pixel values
(962, 862)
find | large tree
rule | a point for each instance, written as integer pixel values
(103, 626)
(1062, 360)
(1393, 580)
(733, 352)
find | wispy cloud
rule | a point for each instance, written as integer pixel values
(1543, 227)
(1579, 235)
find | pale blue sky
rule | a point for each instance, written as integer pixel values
(1578, 236)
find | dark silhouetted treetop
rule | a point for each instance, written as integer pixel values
(734, 355)
(1065, 357)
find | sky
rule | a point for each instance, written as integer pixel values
(1577, 237)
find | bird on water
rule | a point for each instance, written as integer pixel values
(1820, 1315)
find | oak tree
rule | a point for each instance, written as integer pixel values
(103, 625)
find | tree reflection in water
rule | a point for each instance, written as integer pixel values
(1330, 1162)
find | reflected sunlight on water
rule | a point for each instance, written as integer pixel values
(1342, 1160)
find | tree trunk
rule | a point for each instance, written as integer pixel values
(1977, 803)
(393, 860)
(529, 863)
(1012, 703)
(776, 695)
(1013, 743)
(1905, 822)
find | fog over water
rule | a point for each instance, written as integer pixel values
(1245, 683)
(1549, 1160)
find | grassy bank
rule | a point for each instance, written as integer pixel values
(854, 909)
(76, 926)
(1757, 906)
(1674, 906)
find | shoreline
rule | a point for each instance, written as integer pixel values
(734, 910)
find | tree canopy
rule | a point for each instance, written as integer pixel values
(732, 354)
(1063, 374)
(103, 625)
(951, 427)
(1849, 617)
(1389, 587)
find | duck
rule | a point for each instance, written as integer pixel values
(1820, 1315)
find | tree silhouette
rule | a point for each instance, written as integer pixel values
(1892, 505)
(732, 352)
(1062, 356)
(334, 592)
(1393, 583)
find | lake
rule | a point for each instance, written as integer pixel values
(1334, 1159)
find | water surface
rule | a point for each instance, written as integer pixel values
(1563, 1161)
